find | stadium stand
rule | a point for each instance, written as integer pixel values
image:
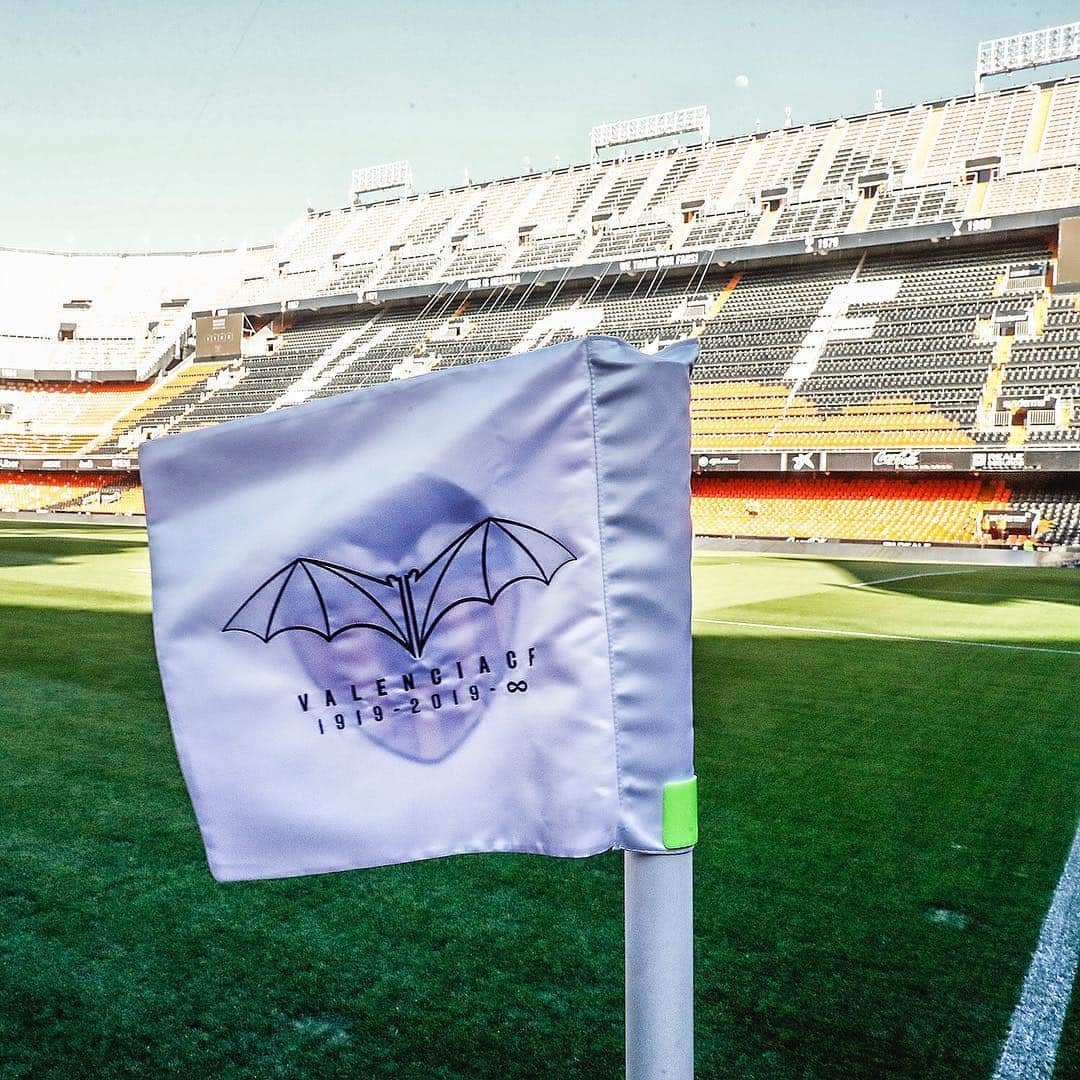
(938, 510)
(908, 510)
(1053, 502)
(885, 170)
(122, 316)
(102, 494)
(851, 282)
(58, 418)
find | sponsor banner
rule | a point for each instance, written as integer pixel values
(850, 461)
(1010, 517)
(998, 460)
(710, 461)
(656, 262)
(1025, 460)
(891, 459)
(900, 460)
(718, 461)
(808, 461)
(68, 464)
(1003, 522)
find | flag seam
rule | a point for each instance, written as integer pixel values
(604, 588)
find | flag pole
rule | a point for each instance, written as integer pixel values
(659, 929)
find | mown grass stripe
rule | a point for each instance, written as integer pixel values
(886, 637)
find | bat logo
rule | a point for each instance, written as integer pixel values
(326, 599)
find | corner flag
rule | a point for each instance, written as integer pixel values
(443, 615)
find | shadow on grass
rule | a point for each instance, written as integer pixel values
(34, 544)
(984, 586)
(850, 789)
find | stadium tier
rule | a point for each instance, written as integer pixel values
(904, 510)
(1004, 153)
(900, 282)
(107, 317)
(66, 491)
(970, 159)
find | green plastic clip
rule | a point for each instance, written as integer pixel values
(680, 813)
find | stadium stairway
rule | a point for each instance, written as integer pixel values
(921, 154)
(864, 209)
(976, 198)
(1034, 138)
(723, 295)
(995, 377)
(765, 225)
(811, 186)
(325, 367)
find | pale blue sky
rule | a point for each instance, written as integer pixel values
(126, 125)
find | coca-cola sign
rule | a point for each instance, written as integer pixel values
(896, 459)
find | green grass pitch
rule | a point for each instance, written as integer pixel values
(883, 819)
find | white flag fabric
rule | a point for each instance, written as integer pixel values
(442, 615)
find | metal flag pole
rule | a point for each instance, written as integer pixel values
(659, 928)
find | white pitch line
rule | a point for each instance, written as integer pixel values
(1031, 1046)
(906, 577)
(888, 637)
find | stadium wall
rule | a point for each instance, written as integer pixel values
(899, 553)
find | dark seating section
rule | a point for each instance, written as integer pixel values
(265, 379)
(1048, 367)
(922, 344)
(1053, 500)
(854, 351)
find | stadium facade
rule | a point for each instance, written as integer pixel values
(888, 306)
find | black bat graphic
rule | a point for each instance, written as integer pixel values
(326, 599)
